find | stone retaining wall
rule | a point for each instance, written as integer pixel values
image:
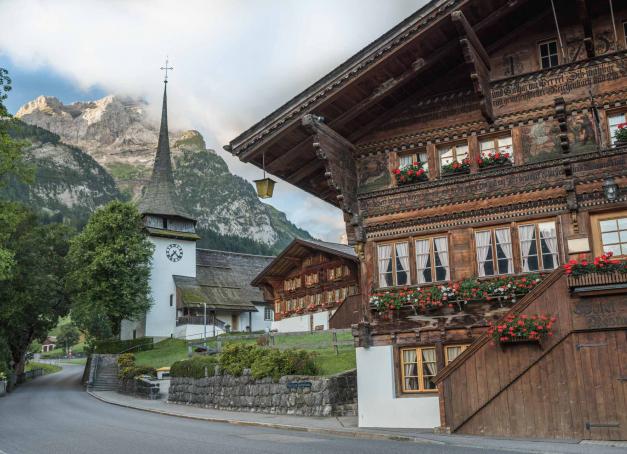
(292, 395)
(139, 387)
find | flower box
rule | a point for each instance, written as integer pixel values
(521, 340)
(522, 329)
(597, 279)
(413, 173)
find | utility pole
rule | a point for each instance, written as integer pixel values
(205, 323)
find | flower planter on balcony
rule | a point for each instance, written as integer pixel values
(521, 340)
(598, 283)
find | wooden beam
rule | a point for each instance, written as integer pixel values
(583, 12)
(305, 170)
(478, 62)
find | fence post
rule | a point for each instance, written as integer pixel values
(337, 348)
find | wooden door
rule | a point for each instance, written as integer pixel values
(602, 372)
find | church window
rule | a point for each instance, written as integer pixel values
(393, 264)
(171, 300)
(432, 260)
(494, 252)
(548, 54)
(451, 153)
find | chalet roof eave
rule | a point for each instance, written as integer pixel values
(259, 132)
(266, 272)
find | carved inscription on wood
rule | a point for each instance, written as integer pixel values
(599, 313)
(573, 82)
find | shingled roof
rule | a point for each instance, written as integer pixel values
(159, 195)
(223, 281)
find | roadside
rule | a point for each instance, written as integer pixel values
(347, 427)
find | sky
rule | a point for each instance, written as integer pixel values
(234, 61)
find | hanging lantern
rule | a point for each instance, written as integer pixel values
(265, 186)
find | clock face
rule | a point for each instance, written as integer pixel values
(174, 252)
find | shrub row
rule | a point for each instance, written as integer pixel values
(264, 362)
(194, 367)
(134, 371)
(118, 346)
(126, 360)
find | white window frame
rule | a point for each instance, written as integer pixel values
(458, 150)
(393, 258)
(501, 143)
(539, 255)
(406, 159)
(495, 260)
(613, 120)
(431, 254)
(542, 58)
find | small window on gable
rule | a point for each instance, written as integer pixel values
(548, 54)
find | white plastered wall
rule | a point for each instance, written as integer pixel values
(378, 404)
(298, 323)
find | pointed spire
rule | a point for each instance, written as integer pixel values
(159, 197)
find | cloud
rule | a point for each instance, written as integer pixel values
(235, 60)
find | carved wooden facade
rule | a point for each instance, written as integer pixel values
(463, 80)
(309, 276)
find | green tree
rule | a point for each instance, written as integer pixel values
(11, 166)
(33, 298)
(68, 336)
(110, 270)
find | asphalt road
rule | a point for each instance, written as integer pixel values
(53, 414)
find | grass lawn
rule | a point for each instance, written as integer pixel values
(58, 352)
(168, 351)
(48, 368)
(74, 361)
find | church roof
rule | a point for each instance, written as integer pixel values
(223, 281)
(159, 196)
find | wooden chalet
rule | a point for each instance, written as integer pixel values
(472, 151)
(313, 285)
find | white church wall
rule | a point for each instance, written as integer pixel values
(378, 404)
(188, 332)
(161, 318)
(298, 323)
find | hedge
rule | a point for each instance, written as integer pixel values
(134, 371)
(119, 346)
(126, 360)
(264, 362)
(194, 367)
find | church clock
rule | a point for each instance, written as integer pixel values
(174, 252)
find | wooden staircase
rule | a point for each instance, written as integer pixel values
(574, 387)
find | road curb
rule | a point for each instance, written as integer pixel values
(338, 432)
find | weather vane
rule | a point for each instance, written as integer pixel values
(166, 68)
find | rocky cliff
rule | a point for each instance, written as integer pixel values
(118, 133)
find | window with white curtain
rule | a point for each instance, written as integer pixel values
(494, 252)
(450, 153)
(418, 369)
(538, 246)
(393, 263)
(613, 121)
(453, 351)
(408, 159)
(502, 144)
(432, 264)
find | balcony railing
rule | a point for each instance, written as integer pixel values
(199, 320)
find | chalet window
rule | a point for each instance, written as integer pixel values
(311, 279)
(418, 368)
(453, 351)
(613, 121)
(494, 252)
(393, 264)
(432, 260)
(614, 235)
(548, 54)
(267, 313)
(408, 159)
(502, 144)
(451, 153)
(291, 284)
(538, 246)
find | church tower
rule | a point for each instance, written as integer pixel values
(172, 231)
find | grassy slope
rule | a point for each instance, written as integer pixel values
(168, 351)
(48, 368)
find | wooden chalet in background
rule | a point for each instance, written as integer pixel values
(312, 285)
(508, 108)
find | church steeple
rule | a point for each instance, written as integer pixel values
(159, 196)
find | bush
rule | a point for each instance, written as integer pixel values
(119, 346)
(265, 362)
(263, 341)
(134, 371)
(126, 360)
(194, 367)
